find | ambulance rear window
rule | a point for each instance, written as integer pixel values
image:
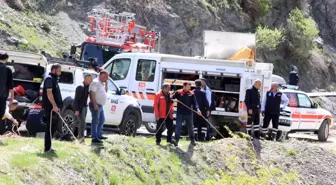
(145, 70)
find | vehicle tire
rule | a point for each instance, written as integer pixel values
(71, 120)
(129, 126)
(151, 127)
(323, 132)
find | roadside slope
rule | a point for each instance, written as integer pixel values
(138, 161)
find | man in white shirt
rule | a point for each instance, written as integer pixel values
(98, 89)
(271, 109)
(212, 107)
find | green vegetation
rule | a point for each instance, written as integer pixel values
(301, 32)
(269, 39)
(291, 152)
(126, 160)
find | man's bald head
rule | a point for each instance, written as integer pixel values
(257, 84)
(274, 87)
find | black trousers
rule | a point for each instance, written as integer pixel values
(275, 123)
(200, 126)
(170, 129)
(2, 107)
(48, 135)
(253, 123)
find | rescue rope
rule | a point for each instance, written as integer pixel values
(163, 122)
(13, 133)
(51, 114)
(203, 118)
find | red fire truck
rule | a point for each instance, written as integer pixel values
(113, 34)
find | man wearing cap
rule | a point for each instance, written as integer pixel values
(252, 102)
(80, 104)
(6, 83)
(98, 98)
(186, 102)
(52, 102)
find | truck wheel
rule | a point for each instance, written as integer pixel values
(323, 132)
(129, 127)
(71, 120)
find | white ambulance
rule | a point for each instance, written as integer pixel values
(307, 117)
(142, 75)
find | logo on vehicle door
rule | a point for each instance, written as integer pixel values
(113, 109)
(114, 101)
(141, 86)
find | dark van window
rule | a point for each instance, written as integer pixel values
(145, 70)
(66, 78)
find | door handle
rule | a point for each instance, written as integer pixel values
(150, 89)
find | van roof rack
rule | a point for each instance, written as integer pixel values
(69, 60)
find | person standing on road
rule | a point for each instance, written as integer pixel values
(200, 125)
(80, 104)
(212, 106)
(6, 83)
(293, 78)
(51, 103)
(271, 109)
(98, 97)
(163, 110)
(252, 102)
(186, 102)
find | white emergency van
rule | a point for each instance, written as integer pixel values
(142, 75)
(122, 112)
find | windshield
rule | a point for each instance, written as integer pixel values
(100, 52)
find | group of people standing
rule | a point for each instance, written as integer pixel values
(270, 108)
(52, 103)
(193, 108)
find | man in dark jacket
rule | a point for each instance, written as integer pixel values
(271, 109)
(200, 125)
(293, 78)
(186, 102)
(6, 83)
(252, 102)
(51, 101)
(80, 104)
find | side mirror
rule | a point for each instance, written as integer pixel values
(315, 105)
(73, 50)
(122, 91)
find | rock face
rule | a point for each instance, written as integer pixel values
(324, 13)
(182, 22)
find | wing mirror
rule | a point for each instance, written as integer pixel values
(315, 105)
(122, 91)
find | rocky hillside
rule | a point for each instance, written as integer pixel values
(299, 32)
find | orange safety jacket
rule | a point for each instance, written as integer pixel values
(160, 106)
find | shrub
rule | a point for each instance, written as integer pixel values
(269, 39)
(301, 32)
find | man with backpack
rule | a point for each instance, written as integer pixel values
(212, 106)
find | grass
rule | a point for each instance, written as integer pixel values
(137, 161)
(291, 152)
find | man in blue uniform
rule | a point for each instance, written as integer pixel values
(185, 104)
(271, 109)
(252, 102)
(293, 78)
(200, 125)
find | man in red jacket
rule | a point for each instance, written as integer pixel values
(163, 109)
